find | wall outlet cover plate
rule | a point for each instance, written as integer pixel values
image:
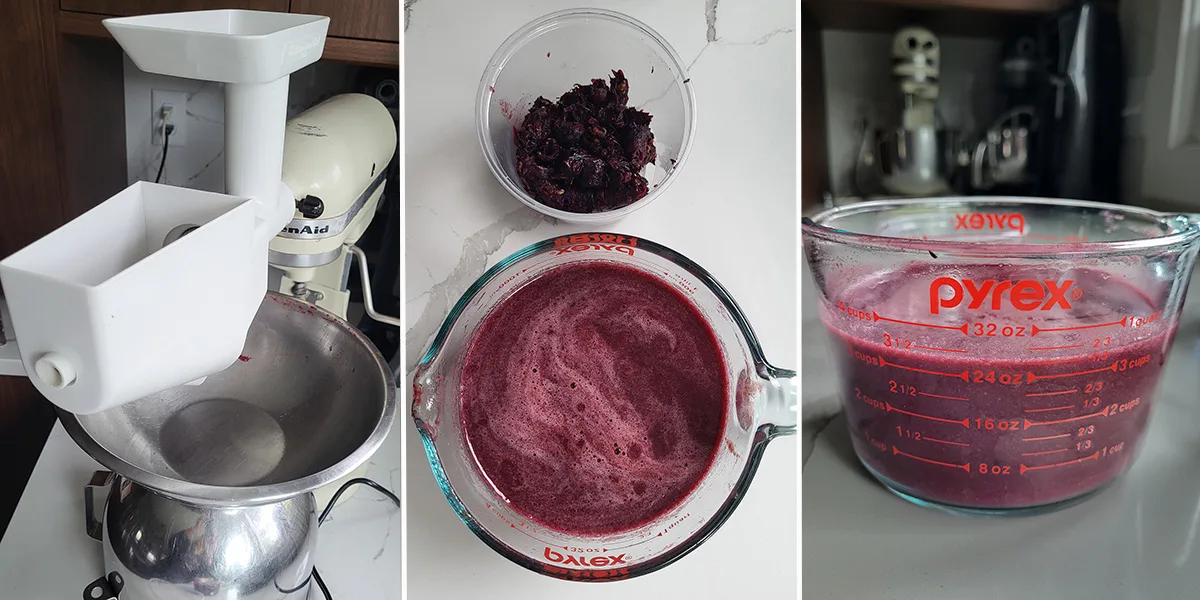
(179, 118)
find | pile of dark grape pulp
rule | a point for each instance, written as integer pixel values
(585, 153)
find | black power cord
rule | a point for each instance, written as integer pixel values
(329, 507)
(166, 146)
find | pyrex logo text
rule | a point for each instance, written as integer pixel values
(1024, 295)
(583, 561)
(595, 241)
(993, 221)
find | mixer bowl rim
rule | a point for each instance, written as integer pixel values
(818, 226)
(231, 496)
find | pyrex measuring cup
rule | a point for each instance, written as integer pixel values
(998, 355)
(760, 405)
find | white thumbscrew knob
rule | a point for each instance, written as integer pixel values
(54, 370)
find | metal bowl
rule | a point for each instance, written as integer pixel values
(309, 401)
(916, 162)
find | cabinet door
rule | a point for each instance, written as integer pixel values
(1162, 128)
(31, 201)
(363, 19)
(142, 7)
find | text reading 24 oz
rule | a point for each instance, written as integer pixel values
(994, 377)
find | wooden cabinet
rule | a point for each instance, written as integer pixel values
(957, 17)
(360, 19)
(141, 7)
(31, 197)
(814, 152)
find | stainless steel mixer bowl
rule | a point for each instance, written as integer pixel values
(916, 162)
(309, 401)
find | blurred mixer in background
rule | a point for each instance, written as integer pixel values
(912, 157)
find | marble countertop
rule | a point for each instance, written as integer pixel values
(732, 210)
(46, 552)
(1135, 540)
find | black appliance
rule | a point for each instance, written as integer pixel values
(1062, 96)
(1081, 126)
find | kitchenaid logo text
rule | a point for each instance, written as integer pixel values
(990, 221)
(583, 561)
(307, 229)
(1024, 295)
(595, 241)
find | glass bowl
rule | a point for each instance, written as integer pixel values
(548, 56)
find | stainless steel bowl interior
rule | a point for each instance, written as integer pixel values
(916, 162)
(309, 401)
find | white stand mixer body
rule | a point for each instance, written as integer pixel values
(337, 153)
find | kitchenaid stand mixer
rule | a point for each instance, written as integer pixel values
(913, 155)
(335, 158)
(335, 161)
(144, 321)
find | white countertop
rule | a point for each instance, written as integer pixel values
(732, 210)
(1137, 540)
(46, 553)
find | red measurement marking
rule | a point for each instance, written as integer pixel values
(1053, 408)
(965, 467)
(888, 406)
(1043, 452)
(1064, 463)
(1049, 437)
(942, 397)
(1059, 347)
(1062, 360)
(1103, 413)
(962, 328)
(939, 349)
(884, 363)
(1039, 394)
(1122, 322)
(937, 441)
(1112, 367)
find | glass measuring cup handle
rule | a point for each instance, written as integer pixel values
(780, 402)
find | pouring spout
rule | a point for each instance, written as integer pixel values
(779, 401)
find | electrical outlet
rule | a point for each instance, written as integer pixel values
(177, 101)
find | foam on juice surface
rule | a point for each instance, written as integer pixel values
(594, 398)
